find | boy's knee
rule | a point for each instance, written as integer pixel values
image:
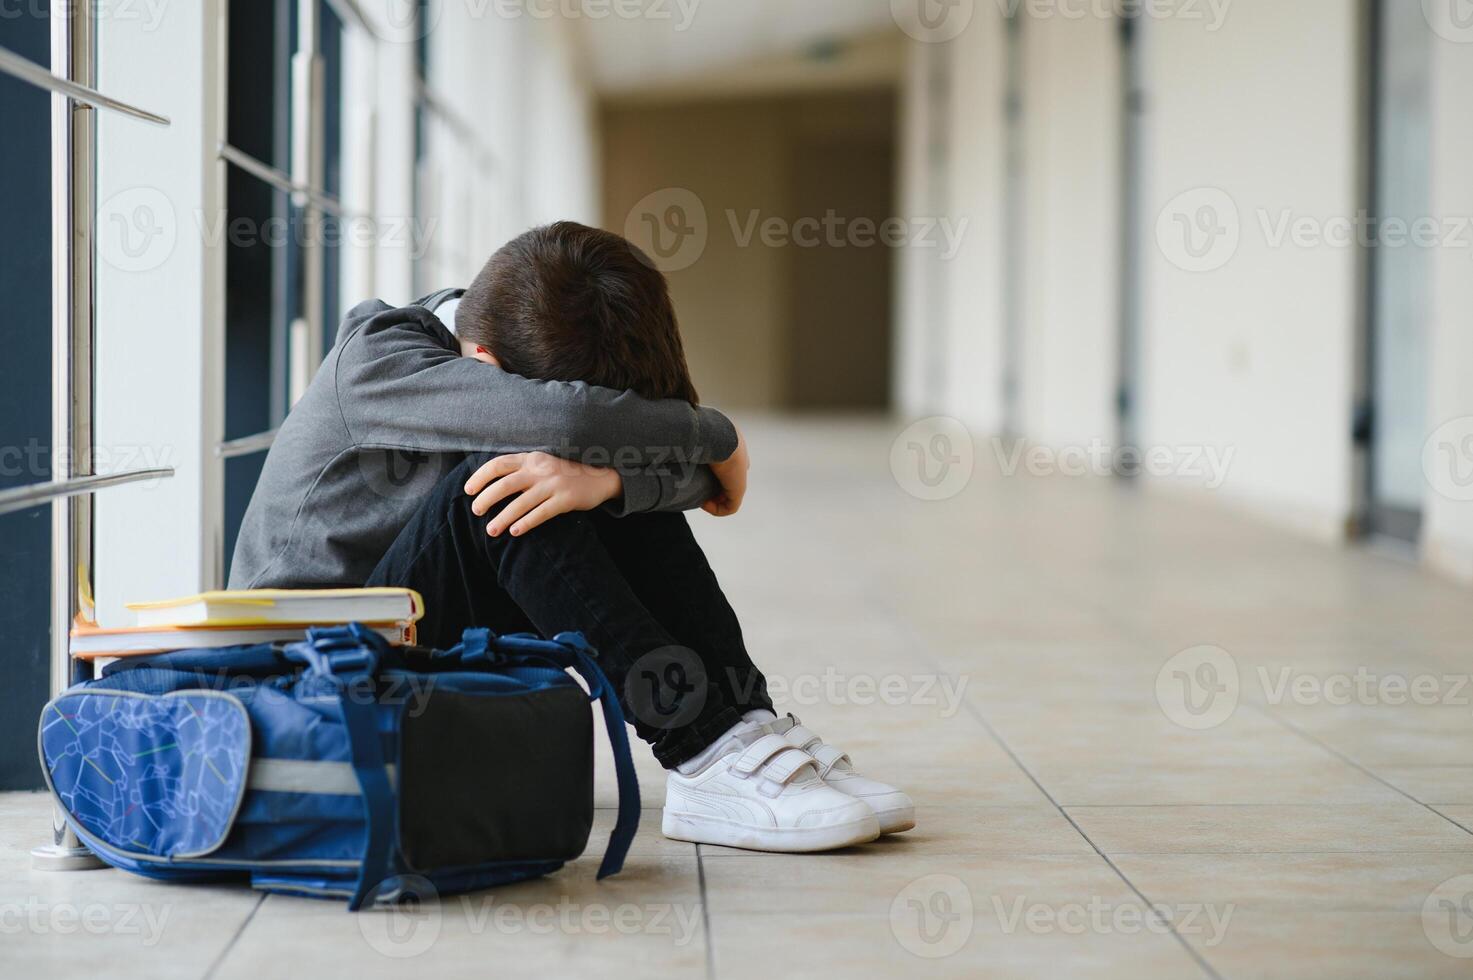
(451, 484)
(461, 472)
(564, 533)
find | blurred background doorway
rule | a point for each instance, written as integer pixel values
(790, 305)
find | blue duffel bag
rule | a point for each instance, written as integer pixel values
(341, 766)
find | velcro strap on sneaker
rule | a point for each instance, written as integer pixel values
(786, 764)
(754, 755)
(774, 758)
(828, 757)
(804, 738)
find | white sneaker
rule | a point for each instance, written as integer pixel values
(894, 809)
(765, 796)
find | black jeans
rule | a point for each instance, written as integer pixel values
(638, 587)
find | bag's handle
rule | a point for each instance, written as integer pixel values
(341, 650)
(572, 650)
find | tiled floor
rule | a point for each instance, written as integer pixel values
(1086, 808)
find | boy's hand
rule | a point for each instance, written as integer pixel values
(732, 474)
(547, 485)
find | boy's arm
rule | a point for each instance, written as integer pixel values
(537, 487)
(400, 386)
(717, 489)
(661, 489)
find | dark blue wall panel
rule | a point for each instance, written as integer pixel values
(25, 400)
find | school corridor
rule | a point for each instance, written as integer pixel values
(1095, 787)
(1107, 372)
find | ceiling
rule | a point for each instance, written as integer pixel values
(684, 39)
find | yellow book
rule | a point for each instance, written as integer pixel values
(262, 607)
(94, 642)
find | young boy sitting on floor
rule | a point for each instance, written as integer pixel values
(520, 453)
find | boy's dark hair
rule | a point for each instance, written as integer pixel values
(566, 302)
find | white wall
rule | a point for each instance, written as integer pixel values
(919, 345)
(159, 397)
(1071, 229)
(393, 169)
(518, 147)
(1249, 347)
(951, 346)
(360, 190)
(561, 150)
(1257, 355)
(948, 309)
(973, 331)
(518, 83)
(1448, 524)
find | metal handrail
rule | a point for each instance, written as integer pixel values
(19, 498)
(283, 182)
(246, 445)
(28, 71)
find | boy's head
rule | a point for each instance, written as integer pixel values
(566, 302)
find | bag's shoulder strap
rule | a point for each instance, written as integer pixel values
(346, 657)
(627, 822)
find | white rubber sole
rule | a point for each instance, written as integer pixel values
(700, 829)
(896, 821)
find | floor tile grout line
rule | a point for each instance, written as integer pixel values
(220, 959)
(1187, 806)
(1170, 926)
(1357, 765)
(1067, 854)
(1359, 852)
(1433, 808)
(705, 915)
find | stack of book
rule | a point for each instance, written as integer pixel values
(224, 619)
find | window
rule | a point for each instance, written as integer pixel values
(284, 250)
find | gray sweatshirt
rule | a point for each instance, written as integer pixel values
(394, 407)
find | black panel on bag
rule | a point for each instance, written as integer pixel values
(496, 778)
